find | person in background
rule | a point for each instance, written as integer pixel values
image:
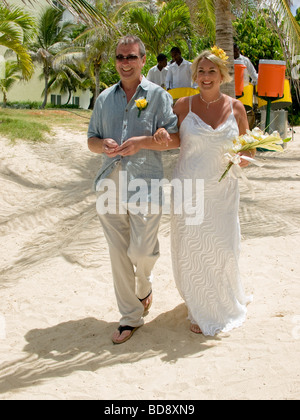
(158, 74)
(250, 71)
(179, 73)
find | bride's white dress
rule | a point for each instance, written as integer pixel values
(205, 256)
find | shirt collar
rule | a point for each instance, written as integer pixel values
(144, 84)
(183, 62)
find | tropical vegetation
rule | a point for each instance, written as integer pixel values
(16, 29)
(52, 38)
(81, 57)
(11, 76)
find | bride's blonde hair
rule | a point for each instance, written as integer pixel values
(222, 65)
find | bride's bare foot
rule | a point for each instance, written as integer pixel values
(196, 329)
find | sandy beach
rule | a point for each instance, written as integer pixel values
(57, 303)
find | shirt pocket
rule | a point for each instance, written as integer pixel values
(145, 124)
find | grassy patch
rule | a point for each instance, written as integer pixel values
(33, 125)
(20, 129)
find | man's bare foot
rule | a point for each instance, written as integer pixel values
(195, 329)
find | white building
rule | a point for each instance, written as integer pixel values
(32, 90)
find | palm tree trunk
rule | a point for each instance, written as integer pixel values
(224, 39)
(46, 89)
(4, 100)
(69, 98)
(97, 79)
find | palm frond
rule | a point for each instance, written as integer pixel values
(144, 25)
(17, 24)
(203, 15)
(23, 55)
(284, 21)
(173, 20)
(67, 58)
(12, 30)
(155, 30)
(125, 7)
(80, 8)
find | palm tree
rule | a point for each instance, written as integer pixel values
(156, 30)
(93, 46)
(52, 37)
(16, 28)
(11, 76)
(282, 20)
(66, 79)
(203, 16)
(224, 36)
(84, 8)
(88, 52)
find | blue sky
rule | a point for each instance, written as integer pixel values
(296, 5)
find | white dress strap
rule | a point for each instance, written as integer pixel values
(231, 104)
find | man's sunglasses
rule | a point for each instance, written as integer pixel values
(129, 58)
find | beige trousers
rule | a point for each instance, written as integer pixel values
(134, 249)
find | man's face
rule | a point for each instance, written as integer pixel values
(129, 63)
(176, 56)
(164, 63)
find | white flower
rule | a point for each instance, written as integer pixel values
(256, 132)
(237, 147)
(276, 134)
(248, 138)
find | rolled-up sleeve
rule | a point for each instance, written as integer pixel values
(95, 127)
(166, 118)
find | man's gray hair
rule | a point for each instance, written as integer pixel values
(131, 39)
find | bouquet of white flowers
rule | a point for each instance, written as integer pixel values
(250, 141)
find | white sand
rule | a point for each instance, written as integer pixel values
(57, 304)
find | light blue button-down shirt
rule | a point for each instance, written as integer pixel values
(114, 118)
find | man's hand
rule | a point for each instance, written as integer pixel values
(130, 147)
(110, 147)
(107, 146)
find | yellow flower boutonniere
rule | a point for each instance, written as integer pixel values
(141, 105)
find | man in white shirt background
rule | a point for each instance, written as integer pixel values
(250, 71)
(157, 74)
(179, 72)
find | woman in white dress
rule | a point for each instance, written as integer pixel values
(205, 255)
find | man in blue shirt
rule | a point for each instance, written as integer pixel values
(125, 119)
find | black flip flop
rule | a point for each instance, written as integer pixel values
(146, 310)
(123, 328)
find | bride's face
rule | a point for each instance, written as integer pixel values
(209, 76)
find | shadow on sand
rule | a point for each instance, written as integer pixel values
(85, 345)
